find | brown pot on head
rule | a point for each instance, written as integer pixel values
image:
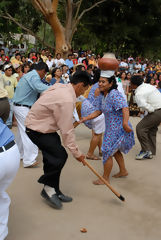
(108, 62)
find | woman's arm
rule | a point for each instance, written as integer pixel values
(125, 112)
(91, 116)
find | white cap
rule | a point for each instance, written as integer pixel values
(7, 66)
(107, 74)
(16, 65)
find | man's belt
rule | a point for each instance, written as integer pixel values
(21, 105)
(7, 146)
(4, 98)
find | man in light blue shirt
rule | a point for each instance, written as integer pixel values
(69, 62)
(28, 88)
(26, 94)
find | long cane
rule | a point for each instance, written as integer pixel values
(104, 181)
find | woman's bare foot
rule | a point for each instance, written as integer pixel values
(92, 157)
(120, 174)
(99, 182)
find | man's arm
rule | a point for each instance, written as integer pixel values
(37, 85)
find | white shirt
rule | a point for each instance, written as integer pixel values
(123, 64)
(148, 97)
(120, 88)
(50, 63)
(137, 67)
(59, 62)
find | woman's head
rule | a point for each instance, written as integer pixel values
(128, 76)
(56, 72)
(25, 67)
(107, 84)
(123, 75)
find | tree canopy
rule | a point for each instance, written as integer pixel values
(122, 26)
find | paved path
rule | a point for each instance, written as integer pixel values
(94, 207)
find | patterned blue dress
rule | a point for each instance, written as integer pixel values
(88, 105)
(115, 137)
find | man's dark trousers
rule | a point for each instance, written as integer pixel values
(147, 129)
(54, 156)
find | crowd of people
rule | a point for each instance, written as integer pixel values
(38, 91)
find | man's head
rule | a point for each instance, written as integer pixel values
(136, 81)
(42, 69)
(43, 52)
(80, 81)
(90, 68)
(1, 51)
(58, 56)
(3, 57)
(18, 56)
(8, 70)
(70, 56)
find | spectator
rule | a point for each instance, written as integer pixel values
(25, 68)
(58, 60)
(25, 95)
(43, 55)
(10, 85)
(131, 66)
(50, 61)
(56, 76)
(69, 62)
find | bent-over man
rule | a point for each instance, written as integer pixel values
(53, 111)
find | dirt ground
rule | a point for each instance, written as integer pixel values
(95, 208)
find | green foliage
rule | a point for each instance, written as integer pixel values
(124, 26)
(23, 12)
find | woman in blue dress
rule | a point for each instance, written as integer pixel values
(97, 124)
(119, 136)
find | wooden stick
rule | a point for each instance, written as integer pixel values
(104, 181)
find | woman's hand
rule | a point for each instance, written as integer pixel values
(82, 120)
(126, 127)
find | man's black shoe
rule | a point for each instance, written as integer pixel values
(64, 198)
(53, 200)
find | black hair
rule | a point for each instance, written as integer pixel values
(90, 66)
(64, 65)
(17, 54)
(54, 71)
(148, 79)
(159, 84)
(33, 66)
(112, 80)
(96, 75)
(80, 76)
(25, 65)
(42, 66)
(137, 80)
(79, 67)
(58, 54)
(70, 55)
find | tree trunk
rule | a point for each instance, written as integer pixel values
(61, 45)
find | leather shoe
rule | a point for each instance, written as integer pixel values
(53, 200)
(64, 198)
